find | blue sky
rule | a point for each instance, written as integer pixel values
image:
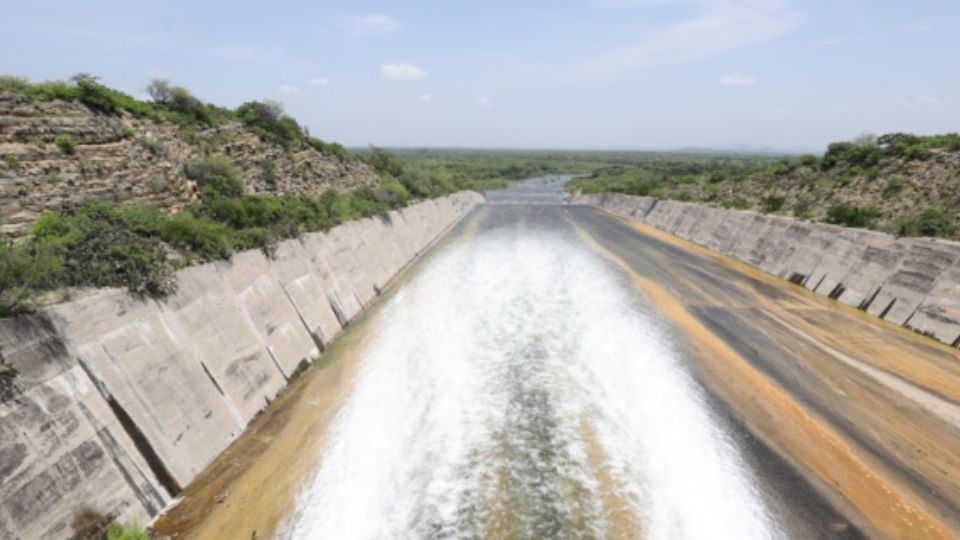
(625, 74)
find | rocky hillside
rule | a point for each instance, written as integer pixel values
(56, 153)
(882, 183)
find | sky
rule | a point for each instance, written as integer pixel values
(786, 75)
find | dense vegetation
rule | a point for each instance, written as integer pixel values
(870, 182)
(429, 173)
(103, 244)
(651, 173)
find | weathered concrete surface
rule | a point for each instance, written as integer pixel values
(119, 402)
(61, 445)
(912, 282)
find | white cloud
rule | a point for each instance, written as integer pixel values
(425, 99)
(378, 24)
(290, 90)
(738, 79)
(319, 82)
(716, 26)
(403, 71)
(484, 102)
(919, 102)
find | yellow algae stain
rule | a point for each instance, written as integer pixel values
(619, 516)
(938, 369)
(777, 419)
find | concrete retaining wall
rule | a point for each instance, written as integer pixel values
(119, 401)
(913, 282)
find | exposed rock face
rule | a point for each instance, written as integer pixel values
(897, 187)
(127, 159)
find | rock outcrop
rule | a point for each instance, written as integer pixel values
(128, 159)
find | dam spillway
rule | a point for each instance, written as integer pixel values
(555, 372)
(516, 388)
(546, 370)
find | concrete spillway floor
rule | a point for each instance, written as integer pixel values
(552, 371)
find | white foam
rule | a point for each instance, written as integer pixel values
(467, 409)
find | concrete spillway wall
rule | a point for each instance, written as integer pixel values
(912, 282)
(121, 401)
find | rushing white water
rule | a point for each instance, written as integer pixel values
(500, 380)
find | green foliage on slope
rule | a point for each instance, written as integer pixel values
(101, 244)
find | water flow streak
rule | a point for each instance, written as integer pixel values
(491, 377)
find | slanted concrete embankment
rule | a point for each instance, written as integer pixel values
(912, 282)
(119, 401)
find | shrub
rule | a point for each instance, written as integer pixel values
(716, 177)
(66, 144)
(852, 216)
(933, 222)
(117, 531)
(269, 169)
(15, 272)
(894, 187)
(11, 161)
(783, 168)
(98, 246)
(803, 208)
(808, 160)
(267, 120)
(13, 85)
(51, 90)
(334, 149)
(217, 176)
(179, 100)
(393, 194)
(199, 236)
(771, 204)
(385, 162)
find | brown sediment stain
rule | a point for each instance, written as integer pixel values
(937, 368)
(251, 488)
(619, 516)
(774, 417)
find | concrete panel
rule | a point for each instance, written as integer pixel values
(840, 256)
(876, 265)
(262, 302)
(153, 373)
(61, 447)
(339, 294)
(920, 268)
(206, 312)
(807, 245)
(939, 313)
(346, 264)
(305, 290)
